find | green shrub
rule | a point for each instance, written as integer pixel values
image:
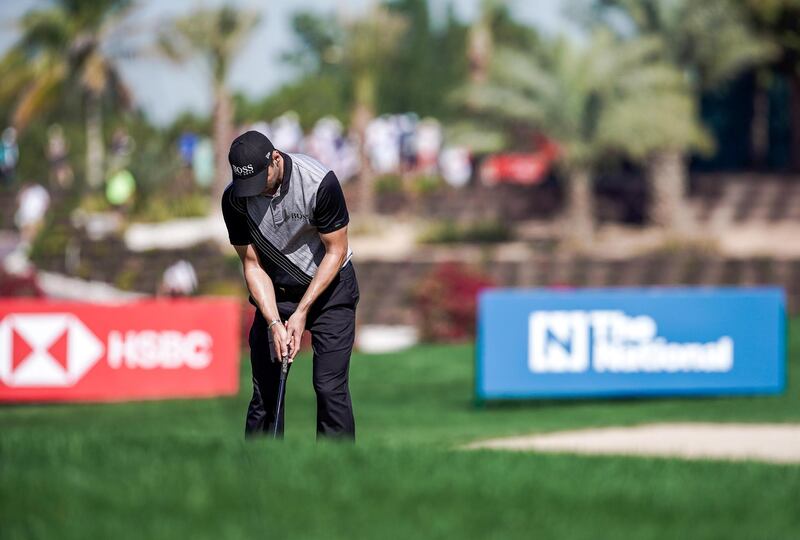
(50, 242)
(94, 202)
(481, 232)
(161, 208)
(425, 185)
(388, 183)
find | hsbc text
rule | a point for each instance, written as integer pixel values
(167, 349)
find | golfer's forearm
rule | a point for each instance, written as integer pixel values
(327, 270)
(260, 287)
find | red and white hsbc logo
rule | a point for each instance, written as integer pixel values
(147, 349)
(46, 350)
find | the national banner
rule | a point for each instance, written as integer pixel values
(152, 349)
(624, 342)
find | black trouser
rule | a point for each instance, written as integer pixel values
(332, 323)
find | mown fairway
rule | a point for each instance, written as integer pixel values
(180, 469)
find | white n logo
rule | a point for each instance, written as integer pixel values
(558, 341)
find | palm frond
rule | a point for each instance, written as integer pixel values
(17, 74)
(212, 34)
(643, 124)
(480, 137)
(45, 29)
(503, 102)
(39, 95)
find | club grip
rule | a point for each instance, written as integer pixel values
(284, 367)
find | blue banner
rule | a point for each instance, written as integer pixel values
(623, 342)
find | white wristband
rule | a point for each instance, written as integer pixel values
(272, 323)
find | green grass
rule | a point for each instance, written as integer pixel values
(180, 469)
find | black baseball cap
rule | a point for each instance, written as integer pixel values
(249, 157)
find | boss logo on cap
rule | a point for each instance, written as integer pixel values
(243, 170)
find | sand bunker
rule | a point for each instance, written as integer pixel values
(774, 443)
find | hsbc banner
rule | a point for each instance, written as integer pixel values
(618, 342)
(153, 349)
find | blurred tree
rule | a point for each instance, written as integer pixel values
(215, 35)
(480, 44)
(779, 22)
(427, 63)
(494, 26)
(323, 89)
(320, 47)
(711, 43)
(606, 97)
(416, 74)
(368, 42)
(62, 47)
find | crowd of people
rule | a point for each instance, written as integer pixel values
(401, 144)
(393, 144)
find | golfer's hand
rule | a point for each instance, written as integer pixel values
(281, 340)
(294, 328)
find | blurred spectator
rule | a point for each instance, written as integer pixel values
(186, 146)
(120, 189)
(455, 166)
(395, 144)
(323, 140)
(180, 279)
(203, 162)
(287, 132)
(349, 162)
(122, 146)
(429, 142)
(61, 175)
(32, 203)
(407, 131)
(9, 156)
(327, 143)
(383, 145)
(262, 127)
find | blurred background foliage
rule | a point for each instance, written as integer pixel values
(61, 71)
(637, 97)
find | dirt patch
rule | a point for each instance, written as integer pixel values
(773, 443)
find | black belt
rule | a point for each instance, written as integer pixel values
(294, 293)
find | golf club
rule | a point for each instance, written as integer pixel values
(281, 391)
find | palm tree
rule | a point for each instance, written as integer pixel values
(214, 35)
(710, 42)
(480, 41)
(61, 47)
(593, 101)
(368, 42)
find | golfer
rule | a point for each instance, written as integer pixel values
(287, 219)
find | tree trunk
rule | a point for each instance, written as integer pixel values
(366, 177)
(794, 111)
(223, 133)
(580, 208)
(363, 114)
(95, 149)
(759, 131)
(666, 176)
(479, 49)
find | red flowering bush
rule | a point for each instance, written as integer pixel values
(446, 302)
